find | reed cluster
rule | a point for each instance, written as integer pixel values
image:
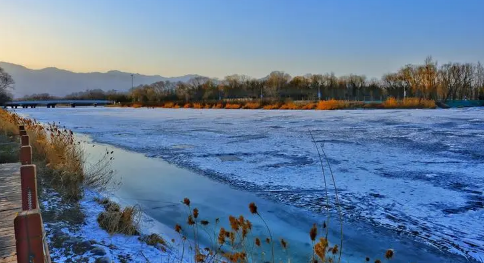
(59, 157)
(409, 103)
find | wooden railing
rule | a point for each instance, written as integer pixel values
(30, 239)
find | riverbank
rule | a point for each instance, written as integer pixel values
(391, 103)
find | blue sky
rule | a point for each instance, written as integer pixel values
(254, 37)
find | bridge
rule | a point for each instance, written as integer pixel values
(54, 103)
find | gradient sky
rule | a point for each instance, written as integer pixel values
(254, 37)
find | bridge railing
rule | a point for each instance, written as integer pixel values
(30, 237)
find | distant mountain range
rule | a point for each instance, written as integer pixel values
(61, 82)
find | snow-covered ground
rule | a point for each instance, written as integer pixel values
(419, 172)
(87, 242)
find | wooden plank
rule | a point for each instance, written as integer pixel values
(10, 205)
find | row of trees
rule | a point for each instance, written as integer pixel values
(451, 81)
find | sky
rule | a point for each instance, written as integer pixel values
(216, 38)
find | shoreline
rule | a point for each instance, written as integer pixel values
(390, 103)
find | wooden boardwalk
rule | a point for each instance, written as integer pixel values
(10, 205)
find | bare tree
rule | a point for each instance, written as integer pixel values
(6, 84)
(275, 82)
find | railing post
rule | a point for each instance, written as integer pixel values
(26, 155)
(30, 238)
(28, 183)
(21, 128)
(24, 139)
(23, 132)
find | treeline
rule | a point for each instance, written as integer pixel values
(95, 94)
(450, 81)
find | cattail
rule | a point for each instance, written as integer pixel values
(313, 232)
(389, 254)
(283, 243)
(221, 236)
(367, 259)
(195, 213)
(186, 201)
(190, 220)
(248, 224)
(204, 222)
(257, 241)
(377, 261)
(244, 232)
(234, 224)
(334, 250)
(268, 240)
(253, 208)
(324, 224)
(178, 228)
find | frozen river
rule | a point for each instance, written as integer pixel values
(412, 174)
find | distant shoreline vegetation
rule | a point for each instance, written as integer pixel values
(391, 103)
(413, 86)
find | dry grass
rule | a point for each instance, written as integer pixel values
(409, 103)
(60, 157)
(252, 105)
(155, 240)
(309, 106)
(169, 105)
(274, 106)
(232, 106)
(332, 105)
(198, 106)
(218, 106)
(117, 221)
(289, 106)
(137, 105)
